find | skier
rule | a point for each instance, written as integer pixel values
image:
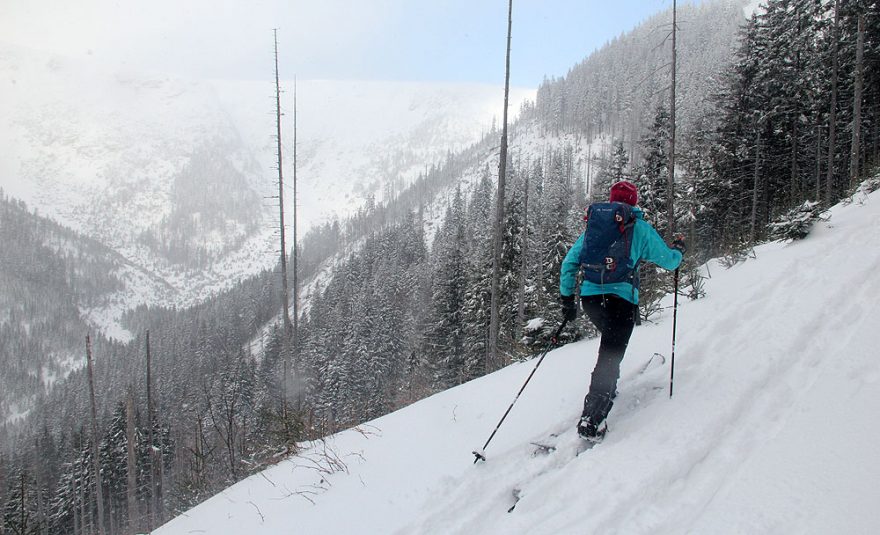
(609, 292)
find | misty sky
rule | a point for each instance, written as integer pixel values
(439, 40)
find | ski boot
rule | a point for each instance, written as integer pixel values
(590, 431)
(592, 426)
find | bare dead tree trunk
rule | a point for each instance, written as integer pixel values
(284, 286)
(832, 115)
(285, 290)
(131, 442)
(295, 258)
(857, 104)
(492, 346)
(670, 184)
(96, 464)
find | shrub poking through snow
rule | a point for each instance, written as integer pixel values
(871, 185)
(796, 223)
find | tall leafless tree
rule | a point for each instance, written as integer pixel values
(498, 231)
(284, 285)
(295, 256)
(285, 290)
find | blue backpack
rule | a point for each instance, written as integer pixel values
(605, 256)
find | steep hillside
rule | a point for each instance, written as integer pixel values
(174, 174)
(54, 283)
(617, 89)
(770, 430)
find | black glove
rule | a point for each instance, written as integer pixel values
(678, 244)
(569, 307)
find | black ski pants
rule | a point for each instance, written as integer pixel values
(613, 316)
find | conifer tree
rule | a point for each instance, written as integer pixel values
(618, 168)
(479, 264)
(652, 176)
(449, 282)
(20, 513)
(558, 226)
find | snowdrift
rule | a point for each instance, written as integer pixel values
(773, 427)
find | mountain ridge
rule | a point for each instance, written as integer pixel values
(83, 154)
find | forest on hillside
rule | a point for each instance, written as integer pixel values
(785, 127)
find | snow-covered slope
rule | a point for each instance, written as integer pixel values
(772, 428)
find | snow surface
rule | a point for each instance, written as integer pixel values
(773, 427)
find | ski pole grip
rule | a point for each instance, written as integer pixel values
(555, 340)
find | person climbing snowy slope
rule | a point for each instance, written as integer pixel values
(608, 253)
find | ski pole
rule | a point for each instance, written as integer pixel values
(674, 321)
(479, 455)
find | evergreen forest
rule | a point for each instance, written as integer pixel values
(771, 132)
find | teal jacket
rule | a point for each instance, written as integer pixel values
(647, 246)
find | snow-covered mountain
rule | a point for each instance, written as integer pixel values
(771, 428)
(177, 176)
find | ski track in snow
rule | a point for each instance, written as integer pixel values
(772, 428)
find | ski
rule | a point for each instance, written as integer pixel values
(546, 446)
(542, 449)
(552, 445)
(517, 494)
(561, 444)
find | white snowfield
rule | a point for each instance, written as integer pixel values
(773, 427)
